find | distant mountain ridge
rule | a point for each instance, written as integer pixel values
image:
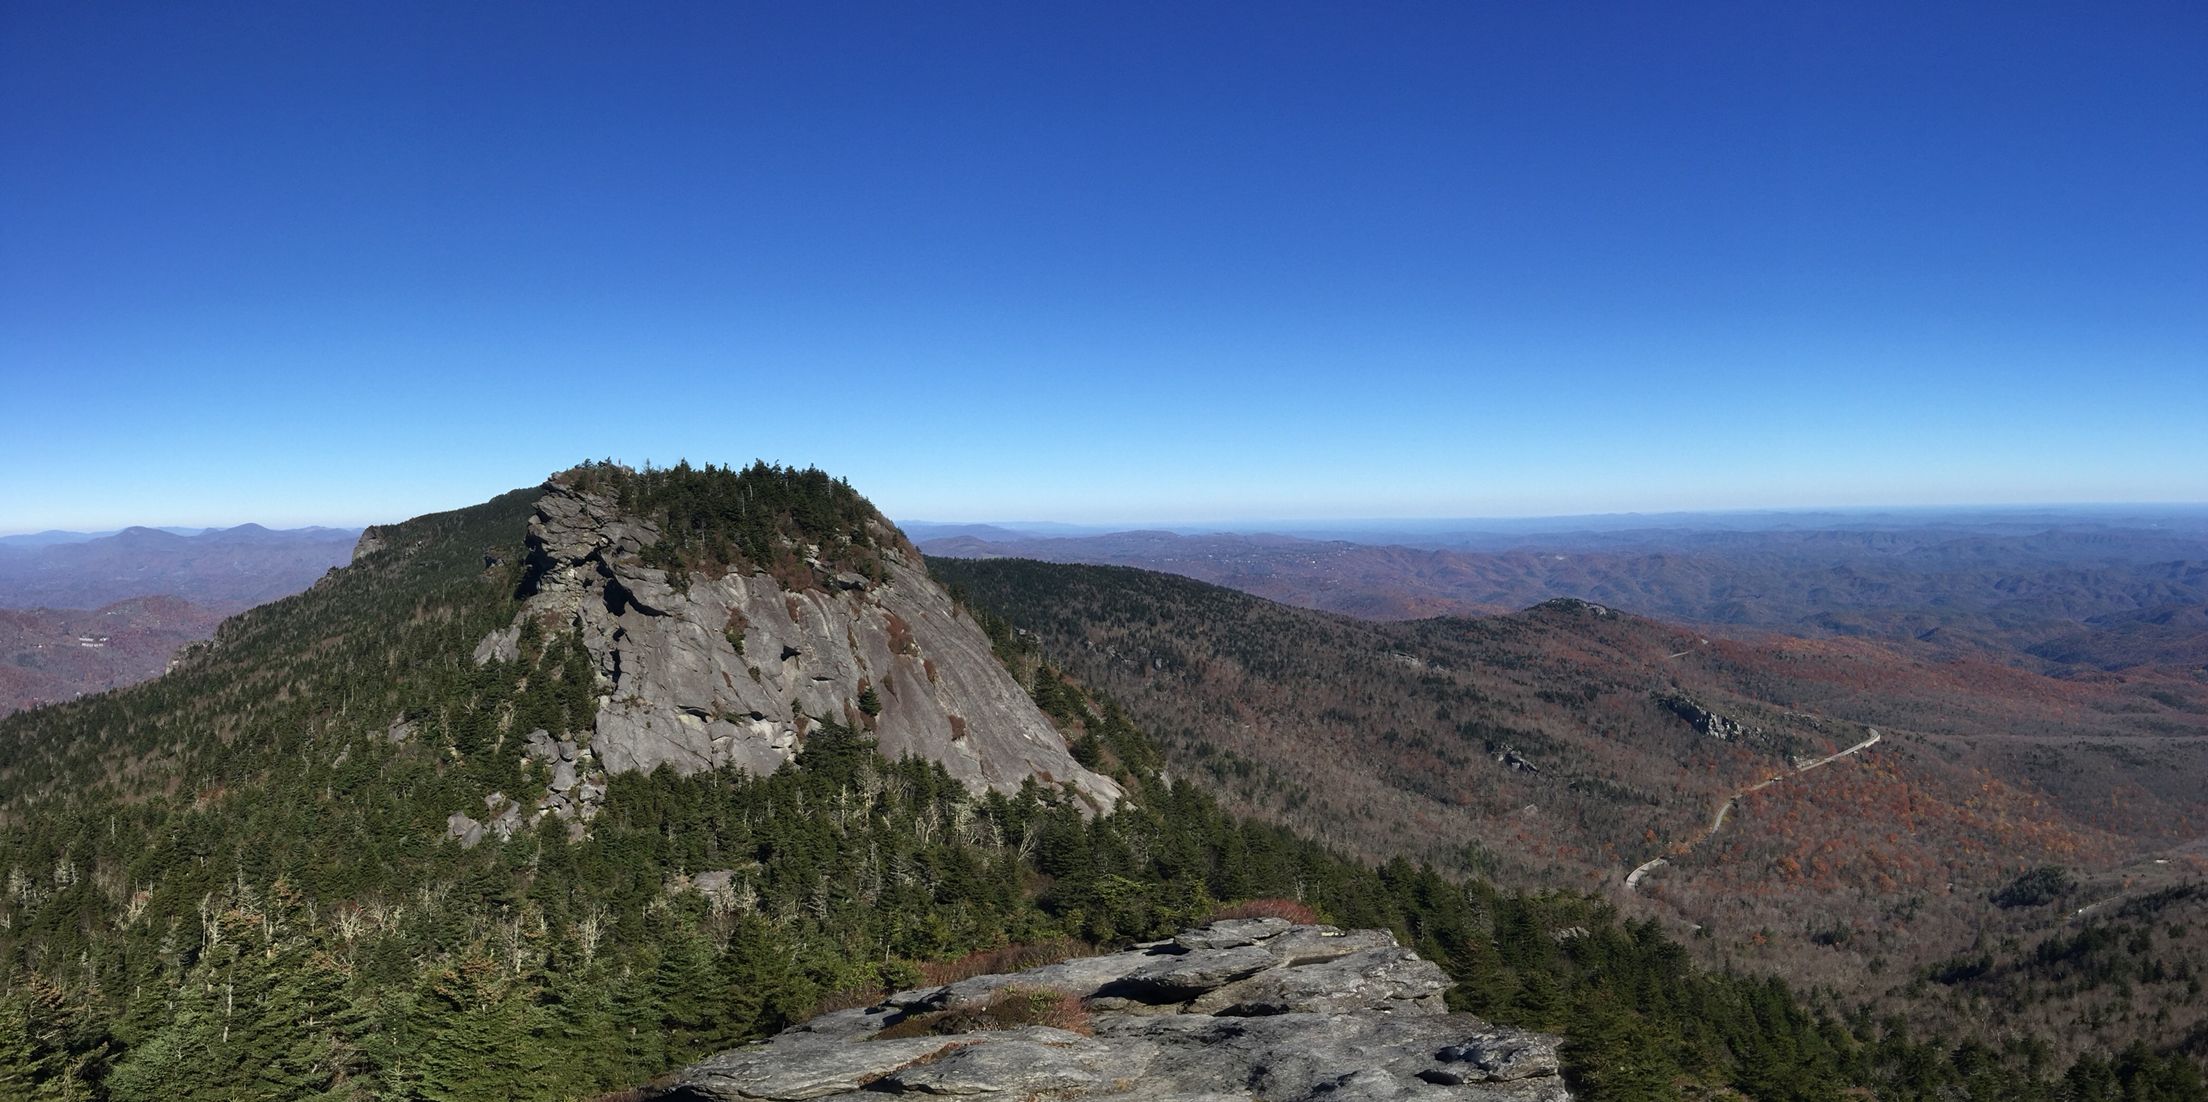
(1994, 587)
(226, 569)
(53, 536)
(1588, 531)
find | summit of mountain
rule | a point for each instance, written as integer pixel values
(609, 621)
(695, 618)
(140, 535)
(724, 612)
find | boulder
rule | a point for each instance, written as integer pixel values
(1231, 932)
(1194, 973)
(540, 744)
(463, 829)
(1386, 980)
(1018, 1064)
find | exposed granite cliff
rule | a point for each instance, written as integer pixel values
(1720, 727)
(703, 672)
(373, 538)
(1238, 1010)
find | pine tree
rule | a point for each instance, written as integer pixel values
(1615, 1057)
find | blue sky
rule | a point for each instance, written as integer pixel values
(336, 263)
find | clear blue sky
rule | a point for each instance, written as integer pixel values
(336, 262)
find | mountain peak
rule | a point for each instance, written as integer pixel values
(727, 615)
(143, 534)
(765, 516)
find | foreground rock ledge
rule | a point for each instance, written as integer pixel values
(1237, 1010)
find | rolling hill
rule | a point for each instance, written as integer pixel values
(1570, 743)
(2018, 591)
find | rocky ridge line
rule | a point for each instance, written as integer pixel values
(705, 672)
(1235, 1011)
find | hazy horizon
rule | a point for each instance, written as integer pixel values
(1288, 525)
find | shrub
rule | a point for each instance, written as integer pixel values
(2041, 885)
(1010, 958)
(1293, 910)
(900, 636)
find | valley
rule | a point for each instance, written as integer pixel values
(52, 655)
(84, 613)
(1575, 744)
(1717, 822)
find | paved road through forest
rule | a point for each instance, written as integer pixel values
(1633, 879)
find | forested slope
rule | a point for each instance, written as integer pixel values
(1570, 743)
(237, 882)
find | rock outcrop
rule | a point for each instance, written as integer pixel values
(1719, 727)
(701, 672)
(372, 539)
(571, 793)
(1238, 1010)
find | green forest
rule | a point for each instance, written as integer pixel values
(235, 882)
(765, 516)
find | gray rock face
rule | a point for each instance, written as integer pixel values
(566, 796)
(1360, 1023)
(462, 829)
(371, 541)
(1720, 727)
(504, 819)
(677, 688)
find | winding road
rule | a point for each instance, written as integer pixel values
(1633, 879)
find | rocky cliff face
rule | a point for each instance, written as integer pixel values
(1239, 1010)
(702, 672)
(372, 539)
